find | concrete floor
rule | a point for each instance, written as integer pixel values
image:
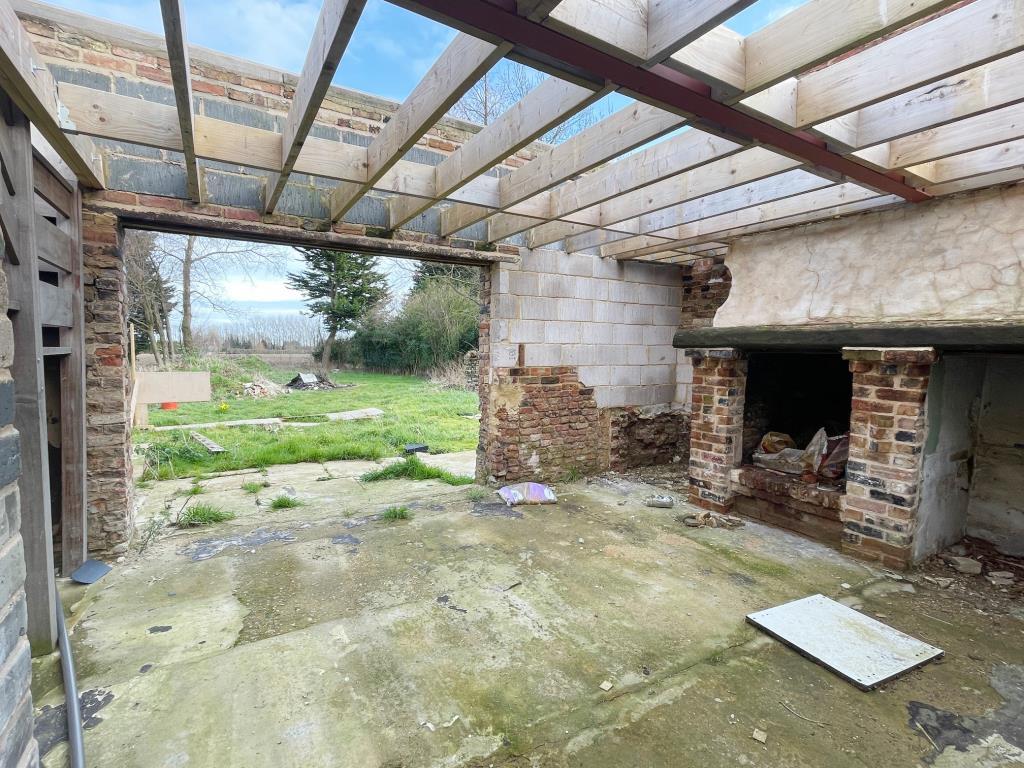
(474, 635)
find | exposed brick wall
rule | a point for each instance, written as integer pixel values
(641, 437)
(716, 425)
(17, 746)
(788, 502)
(540, 424)
(706, 284)
(887, 435)
(108, 425)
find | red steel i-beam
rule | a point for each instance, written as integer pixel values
(659, 84)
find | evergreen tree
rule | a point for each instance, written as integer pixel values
(340, 288)
(458, 274)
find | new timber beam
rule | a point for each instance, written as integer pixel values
(659, 85)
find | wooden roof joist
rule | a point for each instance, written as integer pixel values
(181, 77)
(658, 85)
(970, 36)
(29, 84)
(845, 209)
(334, 28)
(617, 134)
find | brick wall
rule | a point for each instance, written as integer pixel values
(706, 284)
(100, 55)
(887, 435)
(641, 437)
(542, 424)
(17, 746)
(107, 381)
(716, 425)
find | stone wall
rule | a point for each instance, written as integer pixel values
(952, 259)
(17, 746)
(107, 380)
(887, 436)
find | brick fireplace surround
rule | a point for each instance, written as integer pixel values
(887, 435)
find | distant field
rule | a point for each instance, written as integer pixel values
(415, 411)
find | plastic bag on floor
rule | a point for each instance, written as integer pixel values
(527, 493)
(793, 461)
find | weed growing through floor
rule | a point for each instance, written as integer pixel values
(476, 493)
(202, 514)
(255, 486)
(411, 468)
(284, 502)
(573, 474)
(193, 490)
(396, 513)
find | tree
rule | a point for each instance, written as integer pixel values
(202, 265)
(150, 295)
(341, 288)
(505, 84)
(466, 278)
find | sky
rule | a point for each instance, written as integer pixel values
(391, 50)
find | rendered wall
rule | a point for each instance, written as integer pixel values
(954, 395)
(958, 259)
(17, 747)
(996, 509)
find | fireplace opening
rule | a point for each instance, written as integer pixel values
(795, 394)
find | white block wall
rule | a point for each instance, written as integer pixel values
(613, 320)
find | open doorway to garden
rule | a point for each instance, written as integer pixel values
(313, 355)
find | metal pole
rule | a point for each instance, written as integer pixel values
(76, 742)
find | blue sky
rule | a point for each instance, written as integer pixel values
(391, 50)
(389, 53)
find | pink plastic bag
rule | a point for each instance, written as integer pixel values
(527, 493)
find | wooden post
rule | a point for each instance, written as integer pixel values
(74, 515)
(30, 398)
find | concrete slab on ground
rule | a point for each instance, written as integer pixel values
(474, 634)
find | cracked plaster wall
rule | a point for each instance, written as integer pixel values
(953, 259)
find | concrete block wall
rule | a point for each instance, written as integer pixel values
(612, 321)
(17, 746)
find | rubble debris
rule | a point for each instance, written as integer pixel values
(1001, 578)
(527, 493)
(660, 500)
(708, 519)
(310, 381)
(939, 581)
(606, 686)
(966, 565)
(207, 443)
(759, 735)
(261, 387)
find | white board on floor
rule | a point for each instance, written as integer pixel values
(856, 647)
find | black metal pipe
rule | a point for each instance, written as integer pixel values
(76, 742)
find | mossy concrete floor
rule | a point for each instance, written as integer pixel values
(475, 635)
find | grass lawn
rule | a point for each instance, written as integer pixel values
(415, 411)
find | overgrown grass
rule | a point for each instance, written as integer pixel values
(194, 490)
(228, 376)
(414, 412)
(284, 502)
(412, 468)
(396, 513)
(254, 486)
(202, 514)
